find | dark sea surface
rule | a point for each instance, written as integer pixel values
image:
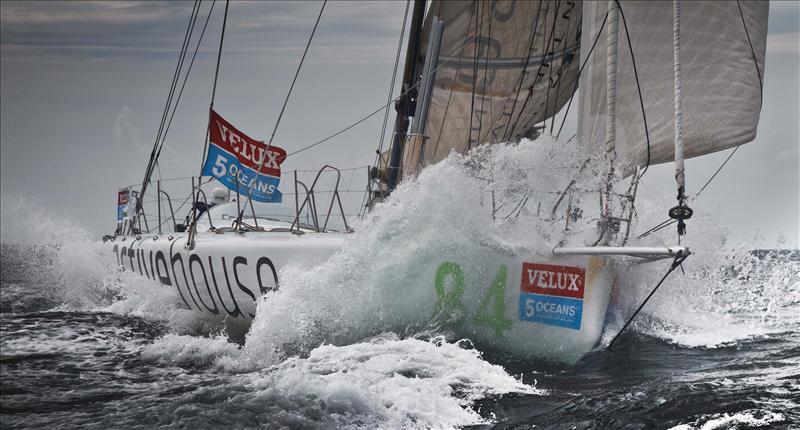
(85, 349)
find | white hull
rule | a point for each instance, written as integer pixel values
(498, 302)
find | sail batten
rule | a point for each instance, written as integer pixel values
(719, 78)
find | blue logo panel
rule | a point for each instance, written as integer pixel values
(550, 310)
(231, 173)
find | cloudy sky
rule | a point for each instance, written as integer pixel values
(83, 85)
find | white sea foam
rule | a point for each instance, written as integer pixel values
(185, 350)
(389, 383)
(382, 382)
(744, 419)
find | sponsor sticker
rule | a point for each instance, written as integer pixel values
(242, 163)
(552, 295)
(122, 204)
(557, 311)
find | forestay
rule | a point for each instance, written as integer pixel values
(503, 67)
(721, 84)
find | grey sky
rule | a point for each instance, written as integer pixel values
(83, 86)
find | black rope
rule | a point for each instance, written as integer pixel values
(753, 52)
(638, 87)
(675, 264)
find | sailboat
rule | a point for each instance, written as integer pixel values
(659, 82)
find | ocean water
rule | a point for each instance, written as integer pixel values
(85, 345)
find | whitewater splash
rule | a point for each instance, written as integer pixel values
(345, 333)
(75, 271)
(722, 293)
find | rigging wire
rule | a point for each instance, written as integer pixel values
(753, 52)
(153, 154)
(294, 80)
(677, 262)
(176, 76)
(638, 87)
(478, 31)
(394, 77)
(485, 73)
(530, 89)
(580, 72)
(524, 69)
(388, 103)
(185, 79)
(283, 109)
(550, 64)
(198, 190)
(214, 83)
(559, 75)
(736, 148)
(173, 84)
(373, 113)
(635, 74)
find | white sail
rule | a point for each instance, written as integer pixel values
(721, 84)
(503, 67)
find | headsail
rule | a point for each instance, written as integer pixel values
(503, 66)
(721, 84)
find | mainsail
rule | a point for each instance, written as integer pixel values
(722, 46)
(502, 67)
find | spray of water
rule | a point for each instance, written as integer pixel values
(455, 210)
(51, 262)
(723, 293)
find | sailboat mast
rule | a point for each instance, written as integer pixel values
(676, 58)
(404, 105)
(612, 43)
(680, 212)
